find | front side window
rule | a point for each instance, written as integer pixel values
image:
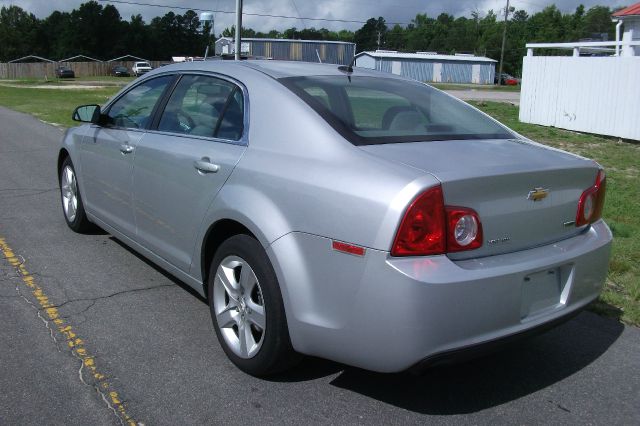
(371, 110)
(134, 109)
(204, 106)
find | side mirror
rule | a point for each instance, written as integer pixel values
(87, 114)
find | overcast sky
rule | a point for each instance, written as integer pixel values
(401, 11)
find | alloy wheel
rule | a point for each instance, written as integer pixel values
(239, 306)
(69, 189)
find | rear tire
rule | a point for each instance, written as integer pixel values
(247, 308)
(72, 206)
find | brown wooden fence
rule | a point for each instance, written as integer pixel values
(42, 70)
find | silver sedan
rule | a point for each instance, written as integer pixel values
(337, 212)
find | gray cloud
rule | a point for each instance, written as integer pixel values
(360, 10)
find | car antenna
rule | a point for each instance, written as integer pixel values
(348, 68)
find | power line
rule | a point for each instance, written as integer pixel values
(263, 15)
(295, 6)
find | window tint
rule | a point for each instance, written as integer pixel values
(376, 109)
(369, 110)
(197, 105)
(232, 125)
(134, 109)
(319, 94)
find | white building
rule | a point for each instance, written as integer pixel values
(328, 52)
(629, 19)
(430, 66)
(595, 90)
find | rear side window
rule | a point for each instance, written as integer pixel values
(204, 106)
(231, 125)
(371, 110)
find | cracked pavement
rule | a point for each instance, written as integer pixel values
(152, 337)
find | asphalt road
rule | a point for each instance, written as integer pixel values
(151, 341)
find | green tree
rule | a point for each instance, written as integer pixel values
(597, 21)
(367, 37)
(420, 32)
(231, 32)
(137, 38)
(396, 38)
(50, 35)
(18, 33)
(93, 30)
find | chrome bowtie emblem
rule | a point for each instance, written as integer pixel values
(537, 194)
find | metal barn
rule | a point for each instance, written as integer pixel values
(331, 52)
(431, 67)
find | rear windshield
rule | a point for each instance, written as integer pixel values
(373, 110)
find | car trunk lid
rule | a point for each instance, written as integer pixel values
(525, 194)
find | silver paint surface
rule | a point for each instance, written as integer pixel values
(297, 185)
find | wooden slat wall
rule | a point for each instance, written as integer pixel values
(598, 95)
(40, 70)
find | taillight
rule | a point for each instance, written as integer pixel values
(429, 227)
(422, 230)
(591, 201)
(464, 229)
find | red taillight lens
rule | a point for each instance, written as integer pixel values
(422, 231)
(592, 201)
(464, 229)
(430, 228)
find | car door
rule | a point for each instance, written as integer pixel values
(182, 163)
(108, 150)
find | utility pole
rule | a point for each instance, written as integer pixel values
(379, 36)
(504, 38)
(238, 27)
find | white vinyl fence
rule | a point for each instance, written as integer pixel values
(588, 94)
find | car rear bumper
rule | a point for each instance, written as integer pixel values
(476, 350)
(388, 314)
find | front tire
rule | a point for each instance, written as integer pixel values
(247, 309)
(72, 206)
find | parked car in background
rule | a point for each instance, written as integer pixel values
(120, 71)
(342, 213)
(65, 72)
(506, 80)
(140, 68)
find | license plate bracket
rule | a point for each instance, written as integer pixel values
(542, 291)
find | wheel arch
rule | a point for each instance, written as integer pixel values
(62, 155)
(216, 234)
(237, 209)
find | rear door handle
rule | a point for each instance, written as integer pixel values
(206, 166)
(125, 148)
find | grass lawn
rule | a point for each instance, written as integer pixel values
(490, 87)
(621, 297)
(52, 105)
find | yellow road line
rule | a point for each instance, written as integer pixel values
(75, 343)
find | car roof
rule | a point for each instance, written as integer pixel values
(281, 69)
(272, 68)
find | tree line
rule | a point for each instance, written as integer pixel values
(100, 32)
